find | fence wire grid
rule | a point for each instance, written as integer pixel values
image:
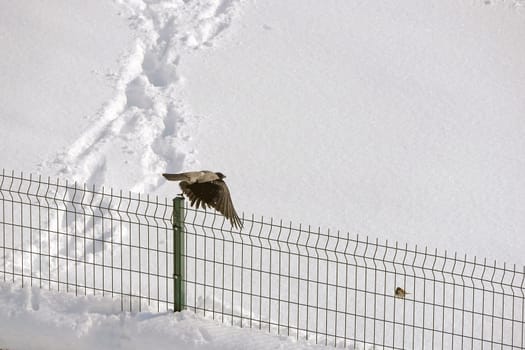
(65, 237)
(327, 287)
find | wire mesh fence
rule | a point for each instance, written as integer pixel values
(339, 290)
(327, 287)
(65, 237)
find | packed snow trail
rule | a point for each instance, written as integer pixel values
(146, 128)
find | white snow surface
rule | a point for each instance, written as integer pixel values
(401, 120)
(36, 319)
(58, 69)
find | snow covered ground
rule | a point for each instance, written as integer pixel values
(36, 319)
(58, 69)
(402, 121)
(398, 120)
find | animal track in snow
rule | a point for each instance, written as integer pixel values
(145, 129)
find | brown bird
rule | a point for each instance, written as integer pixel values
(400, 293)
(207, 188)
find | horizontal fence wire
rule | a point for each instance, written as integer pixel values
(326, 287)
(339, 290)
(88, 241)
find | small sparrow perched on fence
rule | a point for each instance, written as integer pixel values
(400, 293)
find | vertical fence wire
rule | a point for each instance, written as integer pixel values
(338, 290)
(333, 289)
(67, 237)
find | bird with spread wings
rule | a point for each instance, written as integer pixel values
(207, 188)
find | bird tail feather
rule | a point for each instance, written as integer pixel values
(174, 177)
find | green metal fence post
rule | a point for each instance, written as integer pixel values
(178, 254)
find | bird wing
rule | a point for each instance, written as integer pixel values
(214, 194)
(225, 205)
(199, 194)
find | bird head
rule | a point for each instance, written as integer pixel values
(220, 175)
